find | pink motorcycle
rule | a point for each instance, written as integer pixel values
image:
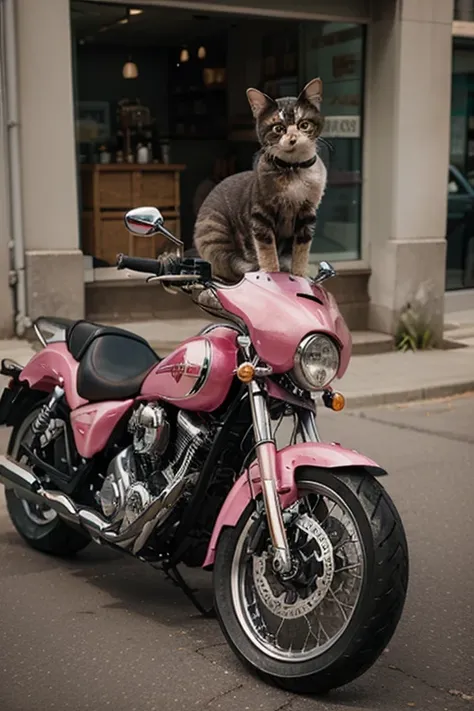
(176, 460)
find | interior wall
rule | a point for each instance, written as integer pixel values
(100, 78)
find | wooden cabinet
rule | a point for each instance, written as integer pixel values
(108, 191)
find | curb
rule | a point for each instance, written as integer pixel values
(431, 392)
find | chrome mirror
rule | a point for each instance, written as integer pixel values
(326, 271)
(148, 221)
(144, 221)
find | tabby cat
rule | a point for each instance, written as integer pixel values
(264, 219)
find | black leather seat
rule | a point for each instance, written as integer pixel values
(113, 362)
(81, 334)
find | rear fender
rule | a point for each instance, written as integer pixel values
(17, 398)
(16, 401)
(289, 460)
(51, 366)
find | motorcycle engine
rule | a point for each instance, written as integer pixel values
(150, 429)
(154, 461)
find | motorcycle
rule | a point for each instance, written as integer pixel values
(177, 460)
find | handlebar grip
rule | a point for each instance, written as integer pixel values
(140, 264)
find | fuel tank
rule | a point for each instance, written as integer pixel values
(198, 374)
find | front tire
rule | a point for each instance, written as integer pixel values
(362, 581)
(39, 526)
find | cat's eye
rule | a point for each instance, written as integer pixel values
(279, 128)
(305, 125)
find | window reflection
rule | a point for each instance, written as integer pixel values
(335, 51)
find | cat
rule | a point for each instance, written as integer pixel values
(264, 219)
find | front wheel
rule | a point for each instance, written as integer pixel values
(329, 620)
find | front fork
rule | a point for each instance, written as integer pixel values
(266, 456)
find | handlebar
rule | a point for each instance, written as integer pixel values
(140, 264)
(167, 265)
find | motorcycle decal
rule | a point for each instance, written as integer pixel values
(177, 370)
(195, 365)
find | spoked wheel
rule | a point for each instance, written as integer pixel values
(37, 523)
(327, 620)
(39, 514)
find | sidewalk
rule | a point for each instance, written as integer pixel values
(402, 377)
(370, 380)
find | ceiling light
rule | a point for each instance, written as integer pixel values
(123, 21)
(130, 70)
(202, 52)
(184, 56)
(135, 11)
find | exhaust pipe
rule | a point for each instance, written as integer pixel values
(21, 479)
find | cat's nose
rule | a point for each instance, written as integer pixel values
(292, 140)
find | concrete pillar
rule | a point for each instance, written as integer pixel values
(6, 293)
(54, 263)
(407, 133)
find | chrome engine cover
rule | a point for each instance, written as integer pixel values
(112, 496)
(138, 498)
(138, 478)
(150, 429)
(123, 498)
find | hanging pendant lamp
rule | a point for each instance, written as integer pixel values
(130, 70)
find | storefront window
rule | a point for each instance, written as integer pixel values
(464, 10)
(162, 115)
(460, 222)
(335, 51)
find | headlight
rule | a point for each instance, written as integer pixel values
(316, 362)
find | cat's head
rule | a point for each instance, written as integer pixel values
(288, 128)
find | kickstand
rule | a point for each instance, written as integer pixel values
(175, 576)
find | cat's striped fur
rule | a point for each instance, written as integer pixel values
(264, 218)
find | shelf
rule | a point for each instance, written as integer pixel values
(132, 167)
(198, 137)
(192, 94)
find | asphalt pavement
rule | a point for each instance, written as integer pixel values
(106, 632)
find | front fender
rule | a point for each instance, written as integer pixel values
(288, 461)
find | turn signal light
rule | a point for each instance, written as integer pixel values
(246, 372)
(338, 402)
(334, 401)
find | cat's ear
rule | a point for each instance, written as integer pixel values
(259, 102)
(313, 92)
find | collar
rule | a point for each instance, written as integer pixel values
(293, 166)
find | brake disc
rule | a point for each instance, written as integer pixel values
(273, 593)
